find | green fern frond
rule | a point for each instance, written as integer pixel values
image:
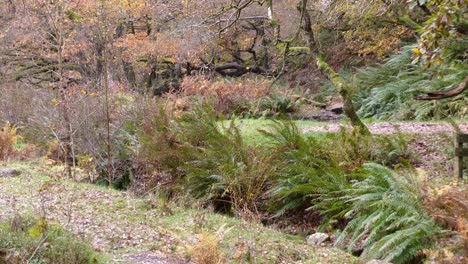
(388, 213)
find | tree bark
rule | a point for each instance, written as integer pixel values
(334, 77)
(309, 32)
(344, 91)
(68, 139)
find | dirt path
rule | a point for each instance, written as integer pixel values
(388, 128)
(432, 145)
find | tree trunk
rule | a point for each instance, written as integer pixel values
(344, 91)
(309, 32)
(68, 139)
(110, 174)
(334, 77)
(273, 22)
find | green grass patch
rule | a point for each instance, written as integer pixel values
(250, 128)
(29, 240)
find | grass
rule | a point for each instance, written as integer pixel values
(29, 240)
(117, 223)
(241, 241)
(249, 128)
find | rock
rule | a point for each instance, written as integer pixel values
(317, 239)
(336, 108)
(457, 240)
(378, 261)
(323, 116)
(9, 172)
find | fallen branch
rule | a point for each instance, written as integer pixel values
(445, 94)
(236, 70)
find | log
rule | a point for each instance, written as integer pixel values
(236, 70)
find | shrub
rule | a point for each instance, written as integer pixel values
(246, 97)
(447, 204)
(55, 152)
(349, 147)
(28, 241)
(206, 250)
(274, 105)
(125, 145)
(162, 148)
(8, 140)
(391, 150)
(387, 216)
(230, 96)
(202, 156)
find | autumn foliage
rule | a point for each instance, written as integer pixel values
(230, 96)
(8, 140)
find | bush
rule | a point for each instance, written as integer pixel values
(274, 105)
(230, 96)
(8, 140)
(391, 150)
(247, 97)
(163, 149)
(206, 250)
(28, 241)
(387, 216)
(125, 145)
(208, 160)
(305, 168)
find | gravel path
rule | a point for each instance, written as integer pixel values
(388, 128)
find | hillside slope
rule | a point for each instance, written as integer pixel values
(134, 230)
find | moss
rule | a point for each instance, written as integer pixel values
(345, 92)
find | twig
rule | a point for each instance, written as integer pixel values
(37, 248)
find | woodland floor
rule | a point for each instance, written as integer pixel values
(136, 230)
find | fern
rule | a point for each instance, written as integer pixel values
(313, 171)
(387, 91)
(223, 168)
(305, 168)
(8, 140)
(387, 216)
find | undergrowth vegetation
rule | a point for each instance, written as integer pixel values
(327, 173)
(204, 157)
(8, 140)
(386, 215)
(245, 98)
(26, 240)
(362, 186)
(189, 113)
(388, 90)
(223, 168)
(383, 211)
